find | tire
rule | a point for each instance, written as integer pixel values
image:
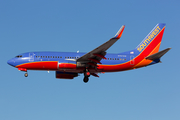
(26, 74)
(86, 79)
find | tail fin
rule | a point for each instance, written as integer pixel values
(152, 41)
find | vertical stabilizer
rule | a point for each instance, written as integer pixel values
(152, 41)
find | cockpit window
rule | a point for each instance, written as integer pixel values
(18, 56)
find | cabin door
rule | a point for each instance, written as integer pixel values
(31, 56)
(131, 60)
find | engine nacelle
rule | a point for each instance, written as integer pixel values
(65, 75)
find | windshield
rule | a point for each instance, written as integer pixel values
(18, 56)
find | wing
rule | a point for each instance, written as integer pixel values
(93, 57)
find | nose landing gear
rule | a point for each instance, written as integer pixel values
(26, 74)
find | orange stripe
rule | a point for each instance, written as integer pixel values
(146, 62)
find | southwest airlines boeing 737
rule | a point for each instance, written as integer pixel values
(68, 65)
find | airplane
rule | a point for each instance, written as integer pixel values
(68, 65)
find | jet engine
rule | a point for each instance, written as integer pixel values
(65, 75)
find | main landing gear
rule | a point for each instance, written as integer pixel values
(86, 79)
(86, 76)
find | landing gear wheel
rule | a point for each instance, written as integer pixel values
(86, 79)
(26, 74)
(86, 75)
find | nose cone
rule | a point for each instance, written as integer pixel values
(11, 62)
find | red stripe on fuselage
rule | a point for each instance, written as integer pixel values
(41, 65)
(47, 65)
(67, 66)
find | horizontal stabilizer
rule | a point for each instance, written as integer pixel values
(157, 55)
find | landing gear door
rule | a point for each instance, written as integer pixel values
(31, 56)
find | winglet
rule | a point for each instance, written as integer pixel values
(119, 33)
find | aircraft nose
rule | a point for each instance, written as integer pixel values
(11, 62)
